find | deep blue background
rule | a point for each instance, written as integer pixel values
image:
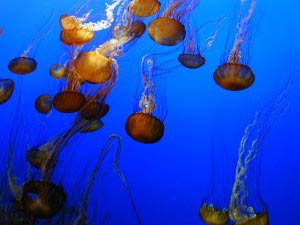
(168, 179)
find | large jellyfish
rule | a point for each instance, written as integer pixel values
(143, 125)
(233, 75)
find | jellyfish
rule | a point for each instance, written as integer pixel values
(144, 8)
(57, 71)
(246, 204)
(68, 101)
(24, 65)
(142, 125)
(43, 104)
(42, 199)
(168, 29)
(6, 89)
(214, 206)
(234, 75)
(76, 31)
(192, 53)
(94, 126)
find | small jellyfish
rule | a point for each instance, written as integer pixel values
(144, 8)
(169, 29)
(6, 89)
(191, 61)
(57, 71)
(22, 65)
(233, 75)
(93, 67)
(68, 101)
(43, 104)
(42, 199)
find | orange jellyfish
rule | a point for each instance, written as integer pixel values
(233, 75)
(214, 206)
(134, 28)
(68, 101)
(76, 31)
(6, 89)
(37, 157)
(192, 53)
(22, 65)
(144, 8)
(72, 34)
(57, 71)
(142, 125)
(43, 104)
(169, 29)
(94, 126)
(93, 67)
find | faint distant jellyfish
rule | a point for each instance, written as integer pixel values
(94, 126)
(37, 157)
(68, 101)
(42, 199)
(234, 75)
(144, 8)
(6, 89)
(43, 104)
(94, 110)
(57, 71)
(168, 29)
(133, 28)
(142, 125)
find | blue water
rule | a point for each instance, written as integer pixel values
(204, 123)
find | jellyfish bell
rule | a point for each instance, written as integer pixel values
(68, 22)
(144, 8)
(94, 110)
(234, 76)
(43, 104)
(191, 61)
(37, 158)
(22, 65)
(76, 37)
(93, 67)
(68, 101)
(144, 127)
(57, 71)
(42, 199)
(259, 219)
(136, 29)
(213, 216)
(166, 31)
(6, 89)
